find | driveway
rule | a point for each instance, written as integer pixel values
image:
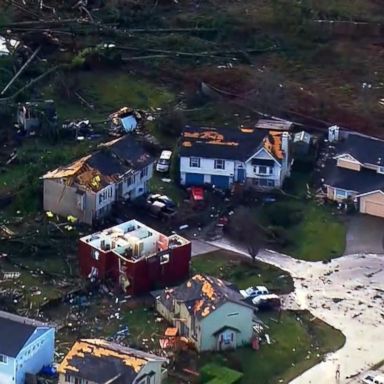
(365, 234)
(357, 282)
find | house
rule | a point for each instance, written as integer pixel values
(136, 257)
(352, 166)
(222, 157)
(96, 361)
(207, 311)
(26, 346)
(88, 187)
(125, 120)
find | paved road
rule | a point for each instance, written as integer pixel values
(357, 282)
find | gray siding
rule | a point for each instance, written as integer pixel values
(62, 200)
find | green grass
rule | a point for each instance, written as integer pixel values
(242, 271)
(217, 374)
(297, 344)
(172, 190)
(109, 91)
(319, 236)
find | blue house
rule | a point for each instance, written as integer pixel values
(26, 346)
(221, 157)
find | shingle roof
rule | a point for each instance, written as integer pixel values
(228, 143)
(15, 331)
(115, 158)
(364, 149)
(99, 361)
(202, 295)
(364, 181)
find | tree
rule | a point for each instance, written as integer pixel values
(244, 227)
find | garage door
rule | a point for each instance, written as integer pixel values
(194, 179)
(220, 181)
(374, 208)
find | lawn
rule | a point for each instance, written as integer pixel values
(242, 271)
(108, 91)
(298, 342)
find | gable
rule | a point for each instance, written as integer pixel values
(347, 157)
(373, 195)
(263, 154)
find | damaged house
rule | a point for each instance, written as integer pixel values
(97, 361)
(351, 166)
(135, 257)
(222, 157)
(88, 187)
(209, 312)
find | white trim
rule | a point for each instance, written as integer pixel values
(370, 193)
(262, 149)
(347, 157)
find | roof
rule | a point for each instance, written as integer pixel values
(275, 125)
(114, 159)
(364, 149)
(100, 361)
(229, 143)
(15, 331)
(202, 295)
(363, 181)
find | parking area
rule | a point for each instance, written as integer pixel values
(365, 234)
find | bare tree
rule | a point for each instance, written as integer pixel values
(245, 228)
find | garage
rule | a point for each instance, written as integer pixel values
(220, 181)
(194, 179)
(372, 203)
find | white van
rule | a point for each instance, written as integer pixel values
(373, 377)
(164, 161)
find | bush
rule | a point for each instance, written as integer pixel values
(283, 214)
(280, 236)
(171, 123)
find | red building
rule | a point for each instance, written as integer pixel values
(138, 258)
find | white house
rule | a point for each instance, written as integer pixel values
(87, 188)
(207, 311)
(222, 157)
(98, 361)
(26, 346)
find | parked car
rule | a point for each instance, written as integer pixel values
(267, 301)
(161, 206)
(373, 378)
(252, 292)
(164, 161)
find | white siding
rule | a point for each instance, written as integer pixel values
(151, 366)
(207, 167)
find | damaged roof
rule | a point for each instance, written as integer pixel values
(114, 159)
(100, 361)
(202, 295)
(229, 143)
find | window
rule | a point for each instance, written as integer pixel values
(194, 162)
(95, 254)
(144, 172)
(129, 181)
(380, 170)
(3, 359)
(263, 170)
(219, 164)
(164, 258)
(341, 194)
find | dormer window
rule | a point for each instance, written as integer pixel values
(380, 170)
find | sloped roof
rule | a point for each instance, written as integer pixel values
(99, 361)
(364, 149)
(15, 331)
(118, 157)
(229, 143)
(202, 295)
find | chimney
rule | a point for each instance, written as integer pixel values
(285, 137)
(333, 133)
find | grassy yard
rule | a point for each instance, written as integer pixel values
(242, 271)
(298, 343)
(108, 91)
